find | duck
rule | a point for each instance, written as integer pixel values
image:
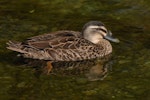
(67, 45)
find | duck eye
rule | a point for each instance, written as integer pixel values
(98, 29)
(101, 30)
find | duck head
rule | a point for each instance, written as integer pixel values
(94, 31)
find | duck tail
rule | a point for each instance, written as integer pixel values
(15, 46)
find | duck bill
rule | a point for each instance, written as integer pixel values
(110, 38)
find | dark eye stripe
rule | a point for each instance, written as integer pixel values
(103, 30)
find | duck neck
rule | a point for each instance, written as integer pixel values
(107, 48)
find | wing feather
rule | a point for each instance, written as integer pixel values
(51, 36)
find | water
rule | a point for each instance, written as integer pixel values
(128, 20)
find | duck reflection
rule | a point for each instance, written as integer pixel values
(93, 70)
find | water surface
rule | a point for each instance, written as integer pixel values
(128, 20)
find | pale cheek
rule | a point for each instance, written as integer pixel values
(95, 41)
(96, 38)
(104, 34)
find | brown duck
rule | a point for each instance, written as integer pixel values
(91, 43)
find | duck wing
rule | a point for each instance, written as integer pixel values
(59, 49)
(54, 35)
(63, 49)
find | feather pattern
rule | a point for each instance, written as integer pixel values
(66, 45)
(60, 48)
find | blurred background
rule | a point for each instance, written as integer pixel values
(129, 20)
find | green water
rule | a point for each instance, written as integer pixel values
(127, 19)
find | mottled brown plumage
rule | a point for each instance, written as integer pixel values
(67, 45)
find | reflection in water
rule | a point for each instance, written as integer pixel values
(95, 69)
(96, 72)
